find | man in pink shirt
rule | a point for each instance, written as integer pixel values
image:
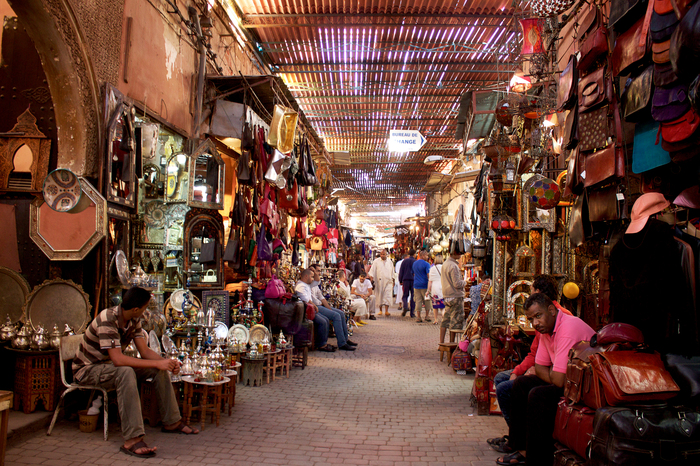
(535, 397)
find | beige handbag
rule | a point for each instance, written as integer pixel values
(316, 243)
(282, 129)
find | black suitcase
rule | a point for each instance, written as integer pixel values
(564, 456)
(649, 435)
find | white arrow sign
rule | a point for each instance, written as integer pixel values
(405, 140)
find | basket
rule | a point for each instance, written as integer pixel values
(88, 422)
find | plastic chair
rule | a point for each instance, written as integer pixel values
(67, 349)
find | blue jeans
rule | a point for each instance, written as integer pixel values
(321, 324)
(337, 318)
(408, 289)
(503, 388)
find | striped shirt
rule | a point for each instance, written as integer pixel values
(107, 330)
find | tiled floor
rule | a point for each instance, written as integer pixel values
(390, 403)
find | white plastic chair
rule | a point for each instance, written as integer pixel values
(68, 348)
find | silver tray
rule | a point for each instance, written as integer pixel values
(122, 265)
(220, 330)
(15, 290)
(258, 334)
(58, 302)
(240, 332)
(153, 342)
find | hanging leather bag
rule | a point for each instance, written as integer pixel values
(624, 13)
(595, 129)
(604, 165)
(264, 247)
(662, 26)
(636, 99)
(568, 85)
(603, 205)
(573, 426)
(594, 90)
(289, 196)
(307, 170)
(593, 42)
(245, 175)
(684, 50)
(570, 139)
(669, 104)
(629, 377)
(628, 52)
(660, 51)
(646, 153)
(574, 182)
(664, 76)
(681, 133)
(579, 226)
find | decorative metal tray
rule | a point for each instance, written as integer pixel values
(258, 334)
(58, 302)
(15, 290)
(240, 332)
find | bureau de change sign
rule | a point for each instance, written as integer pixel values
(405, 140)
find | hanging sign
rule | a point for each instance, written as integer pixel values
(405, 140)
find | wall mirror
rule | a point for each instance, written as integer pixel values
(69, 235)
(152, 183)
(207, 177)
(202, 248)
(535, 218)
(121, 163)
(177, 178)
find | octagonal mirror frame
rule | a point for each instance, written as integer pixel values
(78, 251)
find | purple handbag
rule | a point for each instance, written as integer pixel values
(670, 104)
(264, 246)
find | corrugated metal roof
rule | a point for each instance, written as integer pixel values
(359, 69)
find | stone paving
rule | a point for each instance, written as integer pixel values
(390, 403)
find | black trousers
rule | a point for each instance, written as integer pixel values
(533, 409)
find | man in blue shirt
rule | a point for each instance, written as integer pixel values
(421, 269)
(406, 281)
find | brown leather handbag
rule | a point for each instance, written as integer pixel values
(595, 129)
(568, 81)
(594, 89)
(636, 100)
(631, 376)
(660, 51)
(579, 386)
(570, 138)
(603, 204)
(574, 183)
(604, 165)
(627, 52)
(593, 42)
(573, 426)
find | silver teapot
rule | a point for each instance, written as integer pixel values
(8, 331)
(21, 340)
(68, 331)
(39, 341)
(55, 337)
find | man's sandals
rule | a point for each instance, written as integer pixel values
(180, 429)
(132, 450)
(515, 458)
(500, 444)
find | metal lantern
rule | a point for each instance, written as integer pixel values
(509, 173)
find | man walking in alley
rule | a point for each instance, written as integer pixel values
(406, 280)
(382, 272)
(100, 361)
(421, 270)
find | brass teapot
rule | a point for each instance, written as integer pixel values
(8, 331)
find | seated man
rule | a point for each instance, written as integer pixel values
(100, 361)
(503, 381)
(303, 291)
(335, 316)
(534, 398)
(362, 288)
(357, 305)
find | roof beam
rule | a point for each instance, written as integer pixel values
(448, 48)
(257, 16)
(394, 63)
(512, 70)
(370, 25)
(344, 98)
(390, 85)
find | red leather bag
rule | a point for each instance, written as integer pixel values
(580, 386)
(617, 332)
(289, 196)
(604, 165)
(593, 42)
(627, 51)
(680, 130)
(310, 311)
(573, 426)
(630, 377)
(593, 90)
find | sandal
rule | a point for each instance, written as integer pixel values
(513, 459)
(180, 429)
(138, 445)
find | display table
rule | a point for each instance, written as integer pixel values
(5, 403)
(235, 358)
(270, 365)
(209, 396)
(252, 371)
(36, 375)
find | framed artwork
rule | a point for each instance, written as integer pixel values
(219, 301)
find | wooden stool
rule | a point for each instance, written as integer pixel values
(455, 335)
(5, 403)
(447, 348)
(284, 361)
(300, 356)
(252, 371)
(36, 375)
(270, 365)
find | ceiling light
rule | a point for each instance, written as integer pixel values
(431, 159)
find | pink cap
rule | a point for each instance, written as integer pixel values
(646, 205)
(689, 198)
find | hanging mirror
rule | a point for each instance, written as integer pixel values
(207, 177)
(121, 160)
(203, 234)
(176, 178)
(535, 218)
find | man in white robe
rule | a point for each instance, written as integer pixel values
(382, 272)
